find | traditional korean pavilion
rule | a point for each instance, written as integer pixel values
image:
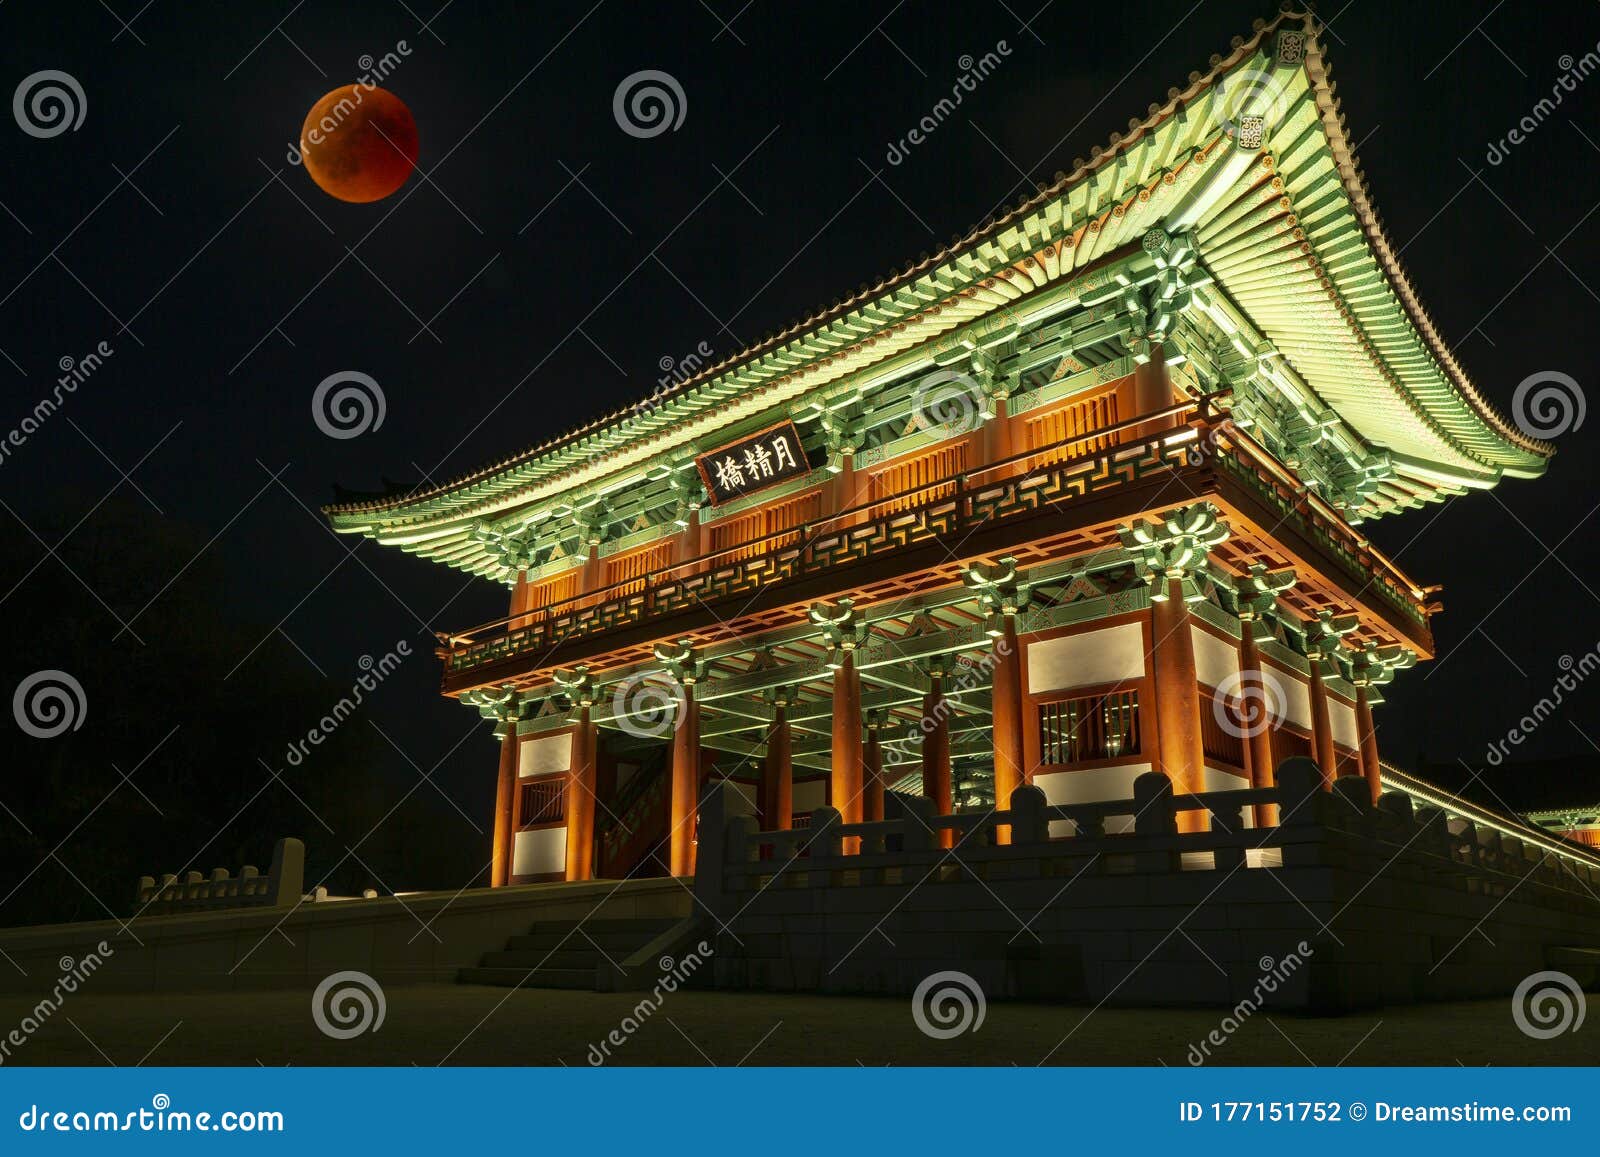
(1080, 496)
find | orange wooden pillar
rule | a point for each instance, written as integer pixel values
(1322, 727)
(1367, 735)
(1177, 688)
(685, 784)
(580, 799)
(1009, 770)
(846, 782)
(777, 774)
(936, 786)
(1152, 391)
(872, 758)
(1258, 739)
(504, 799)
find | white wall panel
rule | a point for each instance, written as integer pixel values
(1108, 655)
(1216, 661)
(540, 851)
(544, 754)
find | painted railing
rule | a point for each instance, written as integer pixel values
(279, 888)
(944, 509)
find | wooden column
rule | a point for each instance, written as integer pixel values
(1367, 734)
(936, 786)
(872, 796)
(1152, 391)
(1258, 743)
(689, 543)
(1000, 434)
(846, 782)
(777, 774)
(1322, 727)
(685, 784)
(580, 800)
(504, 798)
(1178, 699)
(1009, 770)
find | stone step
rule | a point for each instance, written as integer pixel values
(616, 938)
(582, 978)
(649, 926)
(563, 958)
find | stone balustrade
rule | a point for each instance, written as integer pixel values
(279, 888)
(1392, 902)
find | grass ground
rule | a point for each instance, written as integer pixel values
(468, 1025)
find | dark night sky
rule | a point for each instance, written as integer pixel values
(240, 292)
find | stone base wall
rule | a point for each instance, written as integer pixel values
(1344, 905)
(299, 947)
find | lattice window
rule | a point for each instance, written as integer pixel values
(548, 591)
(746, 535)
(542, 801)
(625, 572)
(1222, 742)
(897, 486)
(1075, 418)
(1090, 728)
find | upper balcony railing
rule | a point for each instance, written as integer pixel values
(947, 509)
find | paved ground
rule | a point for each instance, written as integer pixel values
(454, 1024)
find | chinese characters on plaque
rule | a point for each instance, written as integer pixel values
(754, 463)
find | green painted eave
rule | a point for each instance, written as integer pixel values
(1287, 232)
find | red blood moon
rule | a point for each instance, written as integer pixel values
(359, 143)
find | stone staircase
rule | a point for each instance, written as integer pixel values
(566, 953)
